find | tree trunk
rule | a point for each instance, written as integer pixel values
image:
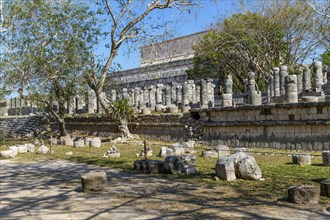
(63, 131)
(123, 128)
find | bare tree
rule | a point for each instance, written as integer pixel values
(129, 21)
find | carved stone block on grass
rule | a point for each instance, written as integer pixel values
(8, 153)
(304, 194)
(79, 143)
(94, 182)
(301, 159)
(325, 187)
(225, 171)
(95, 142)
(326, 157)
(249, 169)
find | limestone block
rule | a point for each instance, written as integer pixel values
(146, 111)
(94, 181)
(79, 143)
(13, 148)
(209, 153)
(326, 157)
(325, 187)
(180, 164)
(225, 170)
(301, 159)
(8, 153)
(112, 152)
(21, 149)
(66, 140)
(185, 109)
(172, 109)
(152, 166)
(303, 194)
(242, 149)
(188, 144)
(53, 140)
(222, 150)
(42, 150)
(249, 169)
(95, 142)
(30, 147)
(88, 141)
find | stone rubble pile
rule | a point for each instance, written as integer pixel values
(240, 164)
(12, 151)
(112, 152)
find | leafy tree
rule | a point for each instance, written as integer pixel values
(127, 22)
(326, 58)
(242, 43)
(46, 47)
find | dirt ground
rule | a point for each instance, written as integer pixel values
(52, 190)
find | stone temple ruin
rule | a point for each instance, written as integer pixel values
(292, 113)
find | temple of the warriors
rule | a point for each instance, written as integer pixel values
(292, 113)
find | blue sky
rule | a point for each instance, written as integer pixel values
(197, 21)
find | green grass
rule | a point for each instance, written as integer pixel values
(278, 171)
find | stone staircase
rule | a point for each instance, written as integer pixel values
(23, 126)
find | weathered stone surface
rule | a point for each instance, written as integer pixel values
(152, 166)
(66, 140)
(223, 150)
(184, 164)
(301, 159)
(172, 109)
(95, 142)
(21, 149)
(30, 147)
(53, 140)
(247, 151)
(112, 152)
(188, 144)
(177, 149)
(225, 170)
(209, 153)
(149, 152)
(249, 169)
(325, 187)
(326, 157)
(13, 148)
(88, 141)
(79, 143)
(303, 194)
(8, 153)
(146, 111)
(94, 181)
(42, 150)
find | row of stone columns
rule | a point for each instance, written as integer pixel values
(174, 94)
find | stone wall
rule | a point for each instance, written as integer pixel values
(283, 126)
(23, 126)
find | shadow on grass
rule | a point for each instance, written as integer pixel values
(103, 162)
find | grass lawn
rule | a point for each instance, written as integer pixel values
(278, 171)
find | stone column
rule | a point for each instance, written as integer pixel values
(80, 104)
(210, 92)
(198, 95)
(131, 97)
(146, 97)
(276, 72)
(159, 94)
(268, 89)
(318, 75)
(179, 95)
(125, 94)
(152, 97)
(291, 89)
(168, 95)
(185, 90)
(193, 90)
(91, 102)
(283, 74)
(299, 83)
(204, 94)
(227, 97)
(71, 105)
(325, 77)
(306, 79)
(254, 96)
(137, 97)
(271, 84)
(173, 92)
(142, 100)
(190, 91)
